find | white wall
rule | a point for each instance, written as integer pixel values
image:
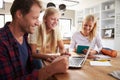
(68, 13)
(87, 3)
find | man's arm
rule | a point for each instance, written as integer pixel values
(7, 70)
(60, 66)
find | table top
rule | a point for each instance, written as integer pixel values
(88, 72)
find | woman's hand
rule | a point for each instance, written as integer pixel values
(85, 51)
(93, 52)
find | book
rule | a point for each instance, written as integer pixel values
(100, 63)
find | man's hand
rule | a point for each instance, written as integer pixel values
(61, 64)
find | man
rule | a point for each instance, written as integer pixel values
(15, 53)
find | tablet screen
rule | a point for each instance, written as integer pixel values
(80, 48)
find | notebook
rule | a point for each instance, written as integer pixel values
(77, 62)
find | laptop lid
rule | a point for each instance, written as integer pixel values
(78, 61)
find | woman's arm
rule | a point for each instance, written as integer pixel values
(45, 57)
(62, 48)
(60, 45)
(99, 44)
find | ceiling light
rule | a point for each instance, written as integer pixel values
(66, 2)
(50, 4)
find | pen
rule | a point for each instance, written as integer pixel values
(98, 59)
(102, 60)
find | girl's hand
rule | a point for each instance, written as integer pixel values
(50, 58)
(66, 53)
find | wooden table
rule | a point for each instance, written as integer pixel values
(88, 72)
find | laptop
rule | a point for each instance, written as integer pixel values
(78, 61)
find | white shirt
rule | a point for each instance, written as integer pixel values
(79, 39)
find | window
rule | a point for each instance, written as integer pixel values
(1, 20)
(8, 18)
(1, 3)
(65, 27)
(4, 18)
(41, 16)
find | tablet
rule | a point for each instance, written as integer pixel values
(80, 48)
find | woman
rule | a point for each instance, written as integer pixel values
(87, 35)
(47, 38)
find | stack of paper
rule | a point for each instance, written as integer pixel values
(101, 56)
(100, 63)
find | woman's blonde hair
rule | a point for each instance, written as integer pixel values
(42, 31)
(92, 33)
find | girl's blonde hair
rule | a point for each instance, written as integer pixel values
(42, 31)
(92, 18)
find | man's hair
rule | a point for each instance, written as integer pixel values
(24, 6)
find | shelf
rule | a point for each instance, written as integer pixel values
(107, 28)
(108, 10)
(79, 17)
(107, 38)
(109, 19)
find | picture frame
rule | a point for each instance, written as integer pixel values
(108, 33)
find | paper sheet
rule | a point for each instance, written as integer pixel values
(100, 63)
(116, 74)
(103, 56)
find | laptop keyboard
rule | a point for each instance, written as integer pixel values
(75, 61)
